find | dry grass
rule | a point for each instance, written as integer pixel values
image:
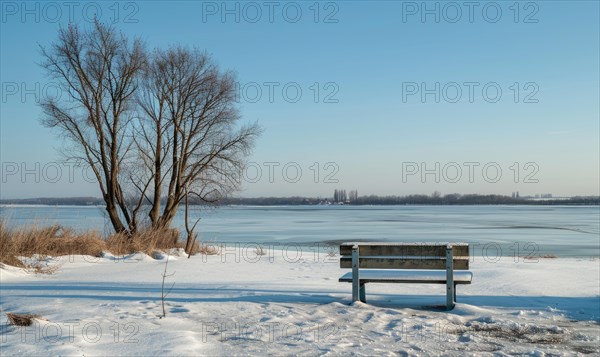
(147, 241)
(206, 249)
(21, 319)
(45, 241)
(55, 241)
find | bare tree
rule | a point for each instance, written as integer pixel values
(189, 132)
(155, 129)
(98, 69)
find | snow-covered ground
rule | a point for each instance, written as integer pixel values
(282, 303)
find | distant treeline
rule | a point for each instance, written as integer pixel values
(55, 201)
(451, 199)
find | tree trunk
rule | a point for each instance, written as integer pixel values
(189, 244)
(113, 214)
(155, 211)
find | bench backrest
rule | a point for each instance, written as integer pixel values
(406, 255)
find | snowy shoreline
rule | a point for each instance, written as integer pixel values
(278, 303)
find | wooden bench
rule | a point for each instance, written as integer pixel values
(416, 263)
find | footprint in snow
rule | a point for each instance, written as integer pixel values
(392, 312)
(369, 317)
(179, 309)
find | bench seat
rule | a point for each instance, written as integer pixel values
(408, 276)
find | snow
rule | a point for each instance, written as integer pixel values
(287, 303)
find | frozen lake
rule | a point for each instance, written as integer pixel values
(506, 230)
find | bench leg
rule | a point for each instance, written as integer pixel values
(355, 275)
(450, 294)
(450, 285)
(363, 293)
(355, 290)
(454, 292)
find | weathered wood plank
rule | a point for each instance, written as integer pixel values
(405, 249)
(460, 263)
(409, 276)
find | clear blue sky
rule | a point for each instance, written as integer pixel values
(370, 60)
